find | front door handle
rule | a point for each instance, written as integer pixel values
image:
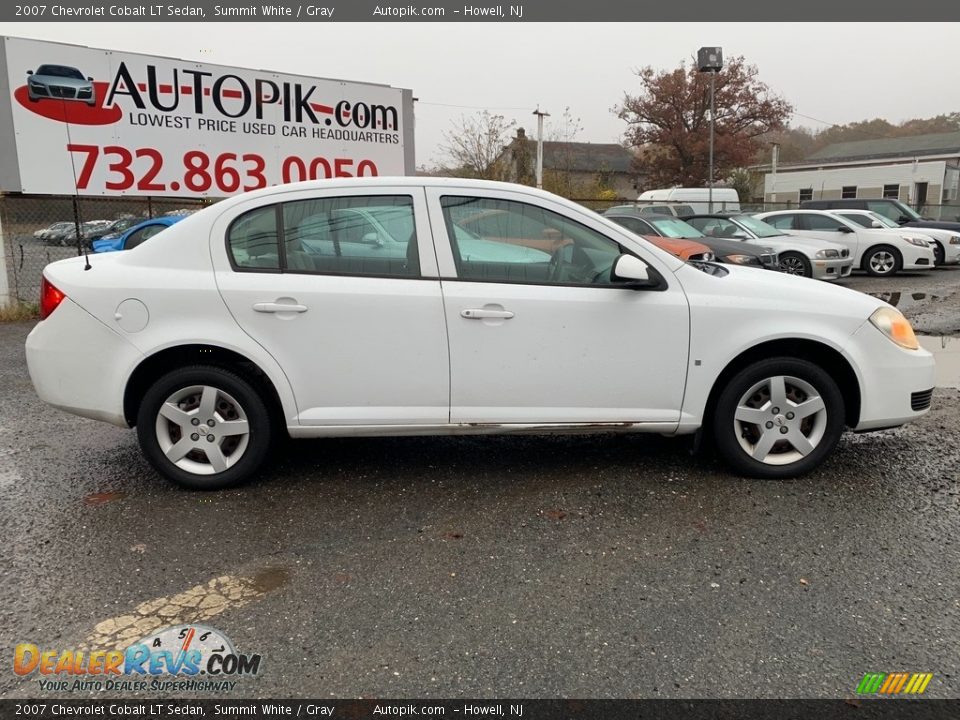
(276, 307)
(481, 314)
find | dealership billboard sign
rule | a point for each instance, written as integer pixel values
(98, 122)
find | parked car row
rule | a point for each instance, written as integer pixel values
(823, 244)
(65, 232)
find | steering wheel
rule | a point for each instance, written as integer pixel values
(560, 257)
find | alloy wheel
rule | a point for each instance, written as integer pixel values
(202, 430)
(780, 420)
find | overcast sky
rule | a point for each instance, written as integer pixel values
(833, 72)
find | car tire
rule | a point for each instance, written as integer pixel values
(794, 263)
(755, 441)
(205, 398)
(939, 254)
(882, 261)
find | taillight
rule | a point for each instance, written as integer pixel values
(50, 298)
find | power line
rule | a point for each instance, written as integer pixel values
(469, 107)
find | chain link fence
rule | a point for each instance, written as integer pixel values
(36, 230)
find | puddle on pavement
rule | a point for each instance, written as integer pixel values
(946, 351)
(270, 579)
(904, 300)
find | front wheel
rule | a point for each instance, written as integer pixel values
(204, 428)
(939, 254)
(882, 261)
(795, 264)
(778, 418)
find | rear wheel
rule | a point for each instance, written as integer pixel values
(204, 428)
(794, 263)
(778, 418)
(882, 261)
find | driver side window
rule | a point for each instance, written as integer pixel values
(508, 241)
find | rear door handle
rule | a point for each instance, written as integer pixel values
(276, 307)
(481, 314)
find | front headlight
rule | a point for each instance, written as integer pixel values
(825, 254)
(955, 240)
(741, 259)
(913, 240)
(895, 326)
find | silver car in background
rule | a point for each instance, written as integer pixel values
(60, 82)
(820, 260)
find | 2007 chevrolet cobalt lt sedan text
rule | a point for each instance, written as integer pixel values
(363, 307)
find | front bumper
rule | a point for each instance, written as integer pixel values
(892, 380)
(917, 258)
(833, 269)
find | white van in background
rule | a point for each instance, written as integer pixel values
(724, 199)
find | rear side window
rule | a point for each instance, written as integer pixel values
(822, 222)
(252, 240)
(372, 235)
(782, 222)
(367, 235)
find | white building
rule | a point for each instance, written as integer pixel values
(923, 171)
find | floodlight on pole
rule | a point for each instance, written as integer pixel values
(710, 60)
(540, 116)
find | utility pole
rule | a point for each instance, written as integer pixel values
(540, 116)
(710, 59)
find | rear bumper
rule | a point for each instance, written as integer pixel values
(79, 365)
(892, 380)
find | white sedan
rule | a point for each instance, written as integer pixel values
(945, 243)
(875, 251)
(280, 311)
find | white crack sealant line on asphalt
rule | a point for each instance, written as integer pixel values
(946, 352)
(198, 604)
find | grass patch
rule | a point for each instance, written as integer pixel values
(19, 311)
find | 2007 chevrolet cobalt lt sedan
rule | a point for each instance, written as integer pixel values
(364, 307)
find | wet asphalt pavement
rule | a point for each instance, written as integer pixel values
(601, 566)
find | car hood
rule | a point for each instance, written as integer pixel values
(683, 249)
(938, 224)
(743, 286)
(107, 244)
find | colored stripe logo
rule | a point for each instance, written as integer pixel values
(900, 683)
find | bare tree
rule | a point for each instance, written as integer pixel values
(474, 146)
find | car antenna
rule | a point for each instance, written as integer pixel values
(81, 245)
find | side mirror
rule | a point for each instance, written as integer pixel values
(876, 224)
(740, 235)
(903, 219)
(372, 239)
(89, 79)
(844, 229)
(634, 273)
(29, 72)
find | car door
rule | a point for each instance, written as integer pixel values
(827, 227)
(549, 338)
(357, 327)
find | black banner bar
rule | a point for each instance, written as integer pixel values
(480, 11)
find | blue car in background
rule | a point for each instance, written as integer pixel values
(135, 235)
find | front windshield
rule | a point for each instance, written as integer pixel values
(908, 211)
(758, 227)
(674, 228)
(887, 222)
